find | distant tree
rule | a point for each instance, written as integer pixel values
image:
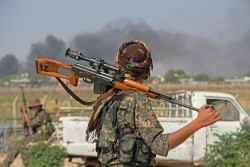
(201, 77)
(174, 76)
(150, 79)
(248, 74)
(8, 65)
(218, 79)
(181, 73)
(52, 48)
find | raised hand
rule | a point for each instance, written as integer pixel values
(207, 116)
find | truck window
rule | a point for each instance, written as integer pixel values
(228, 111)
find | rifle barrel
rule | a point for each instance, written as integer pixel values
(171, 100)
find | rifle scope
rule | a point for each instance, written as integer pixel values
(96, 63)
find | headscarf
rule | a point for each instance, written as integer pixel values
(134, 58)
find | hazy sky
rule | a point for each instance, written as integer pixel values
(25, 22)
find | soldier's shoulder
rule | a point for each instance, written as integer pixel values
(43, 112)
(137, 94)
(131, 97)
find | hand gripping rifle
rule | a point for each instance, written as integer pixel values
(102, 75)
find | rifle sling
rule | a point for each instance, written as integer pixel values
(73, 94)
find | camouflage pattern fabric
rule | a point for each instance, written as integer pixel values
(42, 126)
(135, 117)
(41, 123)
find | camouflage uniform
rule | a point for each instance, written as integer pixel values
(136, 120)
(42, 127)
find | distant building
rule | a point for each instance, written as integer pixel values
(237, 80)
(25, 80)
(186, 80)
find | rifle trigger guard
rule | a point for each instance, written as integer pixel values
(87, 80)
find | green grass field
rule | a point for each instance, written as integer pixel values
(8, 96)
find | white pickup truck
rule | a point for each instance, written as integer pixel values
(171, 117)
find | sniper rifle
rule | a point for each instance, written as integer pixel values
(103, 75)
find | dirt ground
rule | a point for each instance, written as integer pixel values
(75, 162)
(79, 162)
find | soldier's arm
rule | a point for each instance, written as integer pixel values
(149, 128)
(206, 116)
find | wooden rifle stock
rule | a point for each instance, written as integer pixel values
(52, 67)
(132, 85)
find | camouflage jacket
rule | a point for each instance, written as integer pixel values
(137, 119)
(41, 123)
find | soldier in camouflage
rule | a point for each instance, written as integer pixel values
(41, 128)
(128, 131)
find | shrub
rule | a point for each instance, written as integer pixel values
(44, 155)
(232, 149)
